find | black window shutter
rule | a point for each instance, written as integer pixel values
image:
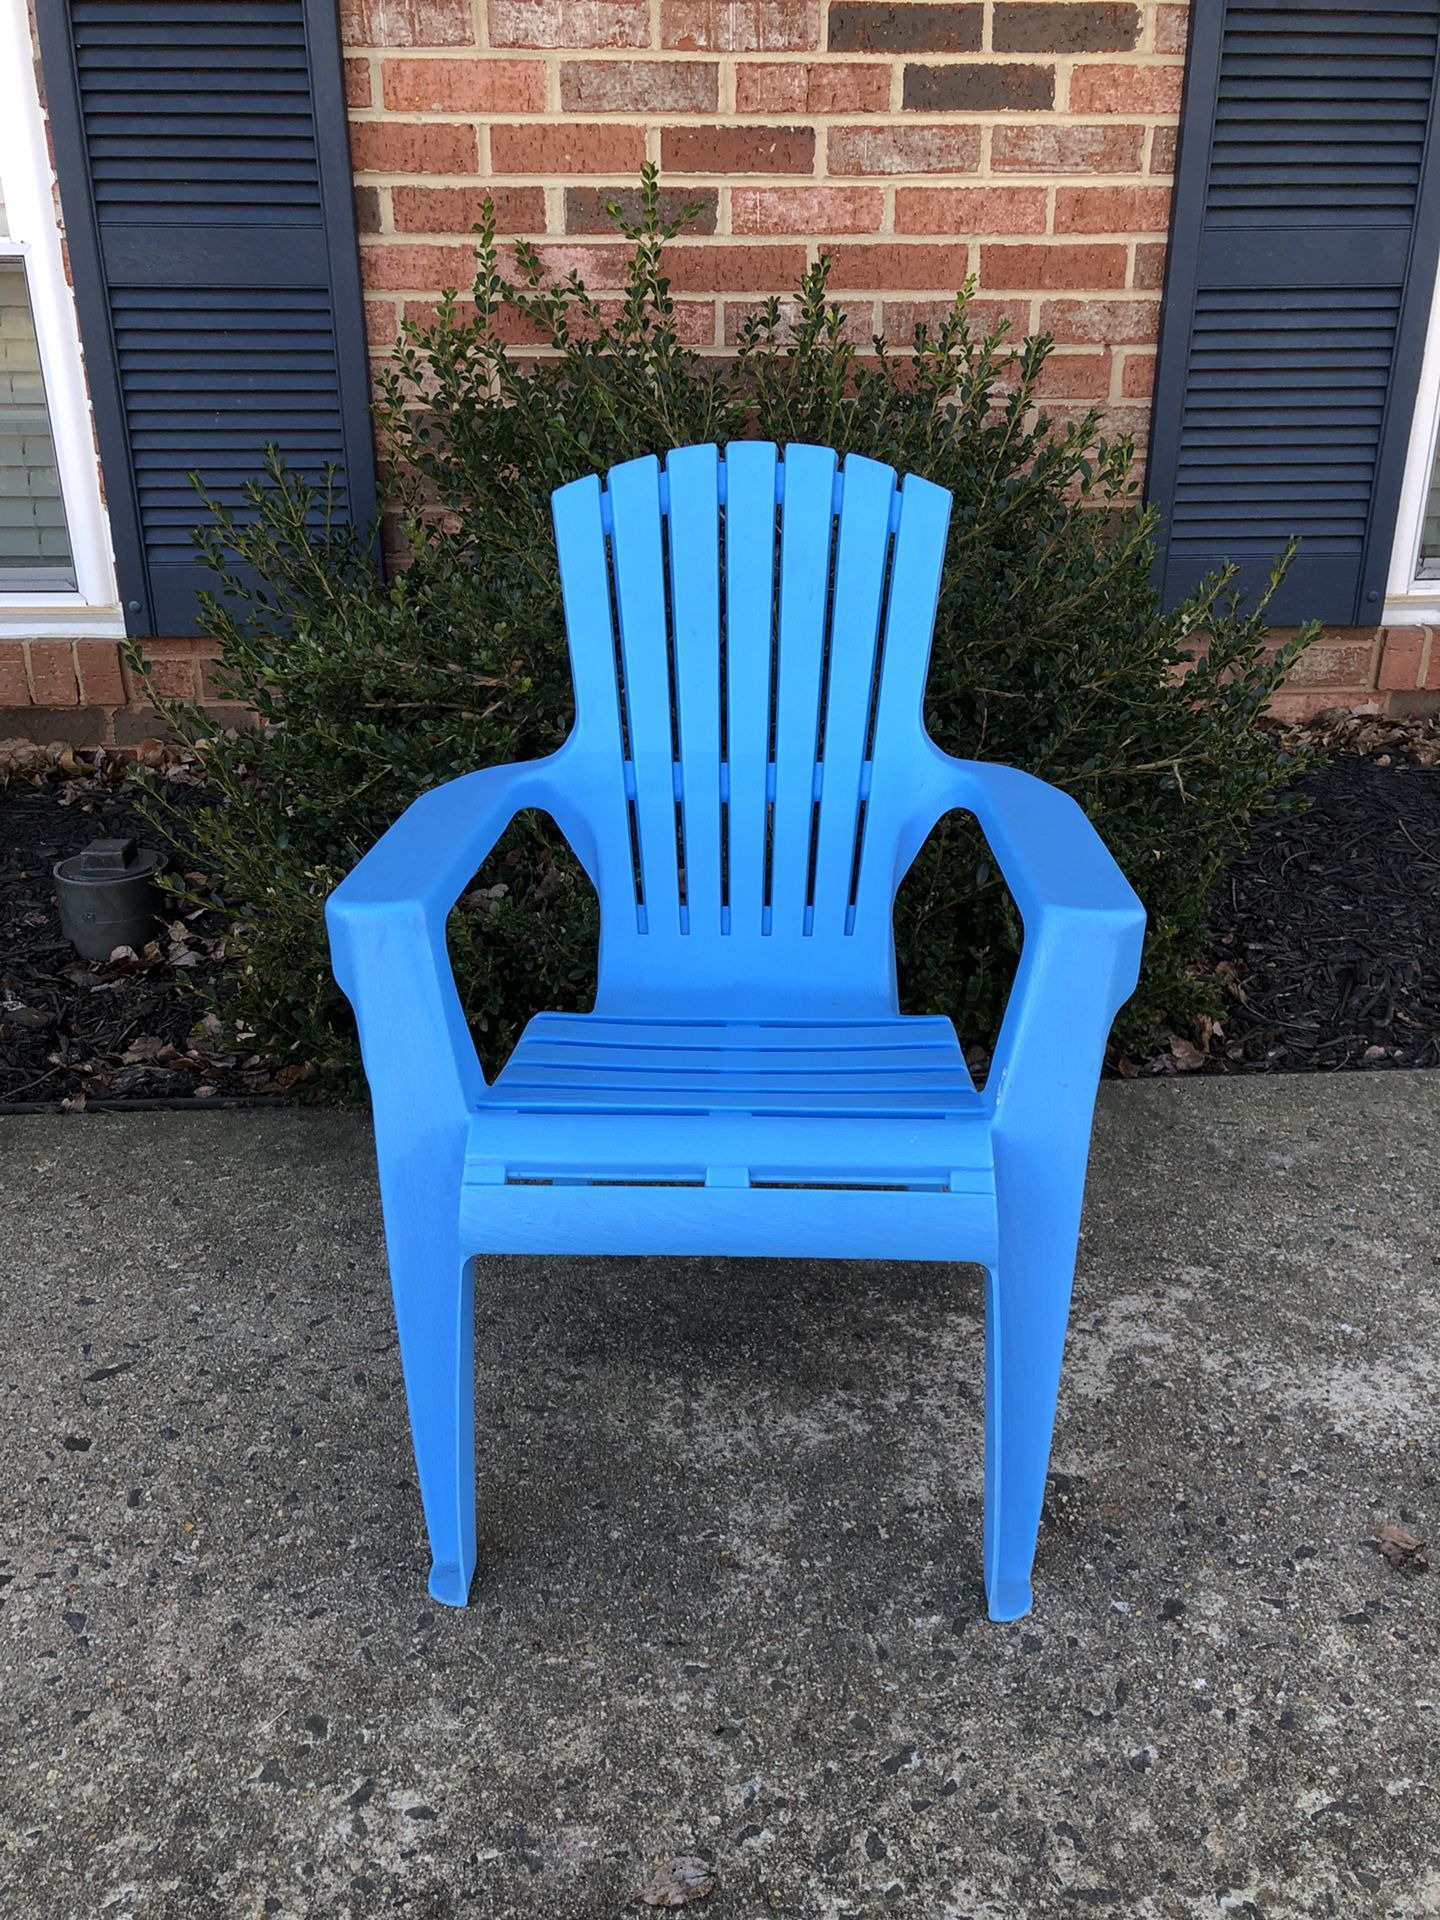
(205, 177)
(1301, 268)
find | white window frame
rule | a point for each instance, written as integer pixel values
(1410, 601)
(92, 606)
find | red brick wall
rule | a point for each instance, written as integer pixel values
(1028, 141)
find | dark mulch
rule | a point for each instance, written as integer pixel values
(1327, 930)
(1326, 938)
(128, 1029)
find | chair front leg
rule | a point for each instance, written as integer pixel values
(424, 1083)
(1027, 1307)
(432, 1282)
(1045, 1076)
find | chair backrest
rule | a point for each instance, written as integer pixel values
(749, 637)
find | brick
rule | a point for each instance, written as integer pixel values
(1075, 376)
(14, 682)
(639, 86)
(71, 726)
(1402, 658)
(1041, 268)
(1338, 636)
(858, 26)
(1137, 376)
(173, 675)
(367, 209)
(585, 207)
(740, 26)
(381, 324)
(1103, 88)
(1332, 663)
(474, 85)
(888, 265)
(694, 321)
(721, 269)
(1112, 209)
(870, 151)
(858, 329)
(395, 269)
(210, 693)
(1100, 322)
(596, 265)
(721, 150)
(357, 83)
(805, 86)
(1295, 706)
(985, 316)
(599, 24)
(970, 210)
(1163, 143)
(807, 210)
(1172, 26)
(1053, 26)
(1049, 148)
(136, 726)
(52, 674)
(558, 147)
(970, 87)
(406, 23)
(458, 209)
(412, 146)
(506, 324)
(1149, 274)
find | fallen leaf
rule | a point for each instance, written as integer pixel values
(35, 1018)
(149, 1046)
(1186, 1056)
(675, 1883)
(1230, 979)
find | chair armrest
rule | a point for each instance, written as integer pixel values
(1084, 930)
(386, 922)
(425, 857)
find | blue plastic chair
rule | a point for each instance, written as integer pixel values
(747, 780)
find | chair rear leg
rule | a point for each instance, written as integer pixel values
(434, 1289)
(1027, 1305)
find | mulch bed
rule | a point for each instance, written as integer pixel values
(131, 1030)
(1326, 937)
(1327, 930)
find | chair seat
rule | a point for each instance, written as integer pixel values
(858, 1103)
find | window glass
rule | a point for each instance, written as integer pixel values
(34, 541)
(1429, 567)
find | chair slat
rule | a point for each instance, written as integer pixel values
(807, 520)
(749, 641)
(915, 572)
(863, 546)
(915, 1031)
(910, 617)
(644, 646)
(694, 516)
(585, 591)
(590, 631)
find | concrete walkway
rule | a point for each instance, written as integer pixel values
(728, 1601)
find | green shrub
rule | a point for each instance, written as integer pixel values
(1051, 650)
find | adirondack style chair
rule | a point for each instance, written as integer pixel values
(746, 782)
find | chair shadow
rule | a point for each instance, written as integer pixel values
(612, 1393)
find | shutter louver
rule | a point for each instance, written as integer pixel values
(205, 176)
(1302, 256)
